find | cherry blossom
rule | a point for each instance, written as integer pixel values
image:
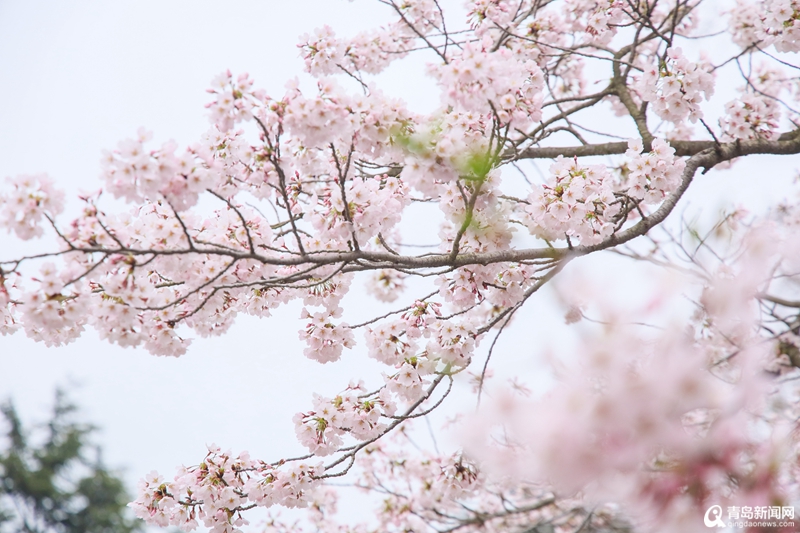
(774, 22)
(30, 199)
(325, 191)
(578, 202)
(676, 86)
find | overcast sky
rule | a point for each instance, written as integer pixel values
(79, 76)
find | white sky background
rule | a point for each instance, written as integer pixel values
(75, 78)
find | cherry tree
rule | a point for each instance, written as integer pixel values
(566, 128)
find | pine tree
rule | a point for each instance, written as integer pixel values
(52, 481)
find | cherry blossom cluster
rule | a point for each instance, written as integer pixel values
(53, 315)
(318, 120)
(660, 419)
(485, 15)
(443, 148)
(602, 18)
(234, 164)
(782, 25)
(452, 342)
(771, 22)
(577, 202)
(676, 86)
(354, 412)
(368, 52)
(365, 208)
(126, 299)
(218, 490)
(568, 207)
(426, 491)
(29, 200)
(372, 51)
(756, 113)
(423, 16)
(483, 81)
(751, 117)
(423, 485)
(653, 175)
(325, 340)
(680, 409)
(231, 97)
(625, 432)
(386, 285)
(395, 341)
(489, 228)
(410, 379)
(547, 30)
(134, 174)
(8, 322)
(466, 286)
(509, 285)
(367, 122)
(590, 21)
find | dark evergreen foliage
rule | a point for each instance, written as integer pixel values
(52, 480)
